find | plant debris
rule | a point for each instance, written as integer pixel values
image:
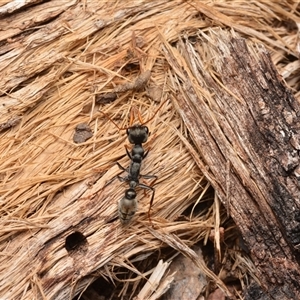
(54, 56)
(82, 133)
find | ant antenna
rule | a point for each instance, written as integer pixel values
(140, 118)
(110, 119)
(132, 117)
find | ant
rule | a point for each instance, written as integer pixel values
(137, 135)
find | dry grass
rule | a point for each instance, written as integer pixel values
(51, 75)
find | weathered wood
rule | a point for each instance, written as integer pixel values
(55, 60)
(244, 122)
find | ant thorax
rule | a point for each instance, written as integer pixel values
(134, 173)
(137, 134)
(137, 153)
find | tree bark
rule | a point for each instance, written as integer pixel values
(244, 123)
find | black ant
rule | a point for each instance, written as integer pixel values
(137, 135)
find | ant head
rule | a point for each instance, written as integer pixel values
(137, 134)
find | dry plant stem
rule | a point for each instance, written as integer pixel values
(217, 242)
(55, 58)
(189, 280)
(238, 110)
(175, 242)
(153, 282)
(90, 213)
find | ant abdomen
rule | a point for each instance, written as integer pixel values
(127, 206)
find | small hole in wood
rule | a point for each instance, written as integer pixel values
(75, 241)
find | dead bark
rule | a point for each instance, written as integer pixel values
(243, 121)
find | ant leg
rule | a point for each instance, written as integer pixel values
(149, 144)
(128, 153)
(109, 181)
(122, 179)
(122, 168)
(145, 154)
(147, 187)
(148, 176)
(150, 206)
